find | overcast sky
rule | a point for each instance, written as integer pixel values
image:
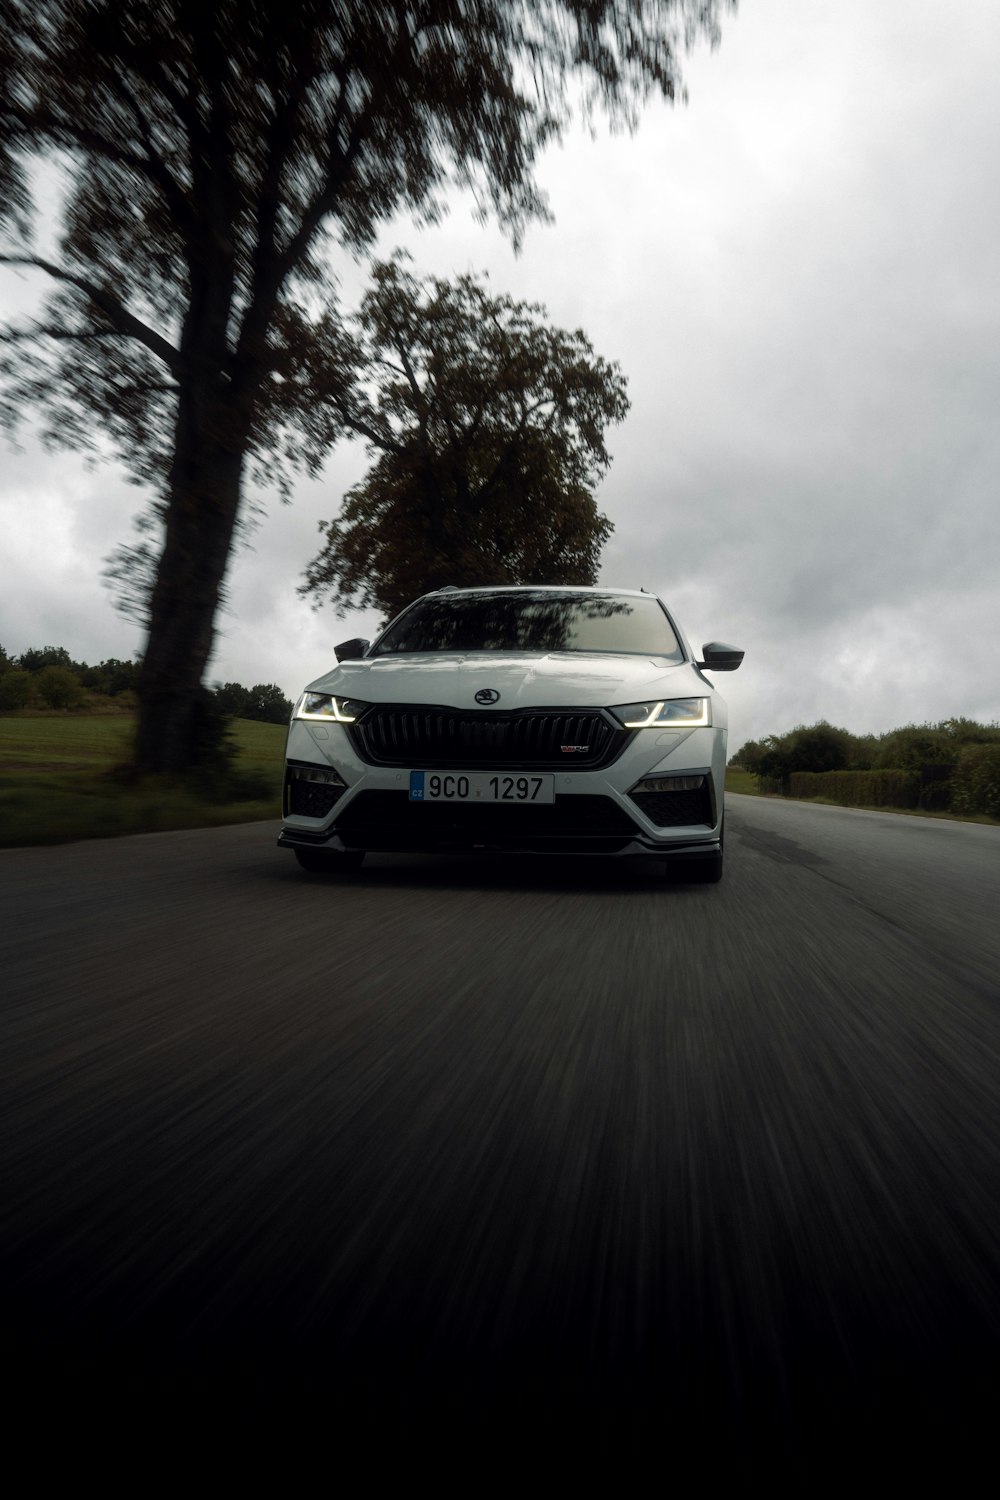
(799, 273)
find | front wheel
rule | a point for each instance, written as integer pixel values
(330, 861)
(699, 871)
(706, 871)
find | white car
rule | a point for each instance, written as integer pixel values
(527, 720)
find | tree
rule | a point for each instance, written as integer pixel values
(15, 689)
(212, 153)
(814, 747)
(749, 757)
(38, 657)
(914, 746)
(58, 687)
(264, 702)
(233, 699)
(487, 427)
(111, 677)
(268, 704)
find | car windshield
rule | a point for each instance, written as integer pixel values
(533, 621)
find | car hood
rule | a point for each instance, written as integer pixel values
(571, 679)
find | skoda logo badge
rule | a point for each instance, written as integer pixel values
(487, 695)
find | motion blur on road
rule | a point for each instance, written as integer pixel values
(547, 1139)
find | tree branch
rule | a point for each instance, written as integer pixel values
(123, 321)
(40, 331)
(419, 399)
(281, 140)
(355, 423)
(157, 169)
(68, 133)
(340, 162)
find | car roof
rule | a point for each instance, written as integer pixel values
(540, 588)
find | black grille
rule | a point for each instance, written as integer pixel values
(311, 799)
(389, 820)
(428, 738)
(675, 809)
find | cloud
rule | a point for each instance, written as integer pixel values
(798, 274)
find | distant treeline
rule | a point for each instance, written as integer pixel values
(953, 766)
(48, 677)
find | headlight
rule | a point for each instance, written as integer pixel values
(324, 706)
(669, 713)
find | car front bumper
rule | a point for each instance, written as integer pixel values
(368, 807)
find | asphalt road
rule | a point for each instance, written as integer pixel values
(552, 1141)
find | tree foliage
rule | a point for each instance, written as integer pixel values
(15, 689)
(38, 657)
(808, 747)
(819, 747)
(212, 153)
(264, 702)
(943, 762)
(48, 677)
(107, 677)
(58, 687)
(111, 677)
(487, 429)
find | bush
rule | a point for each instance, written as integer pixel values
(858, 788)
(264, 702)
(58, 687)
(748, 757)
(813, 747)
(111, 677)
(954, 765)
(935, 787)
(976, 782)
(15, 689)
(233, 699)
(215, 749)
(915, 746)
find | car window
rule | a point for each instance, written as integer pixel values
(525, 621)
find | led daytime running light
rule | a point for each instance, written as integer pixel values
(323, 707)
(670, 713)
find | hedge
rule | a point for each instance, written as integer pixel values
(858, 788)
(976, 781)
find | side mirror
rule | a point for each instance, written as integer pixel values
(720, 658)
(351, 650)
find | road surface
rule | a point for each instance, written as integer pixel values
(549, 1140)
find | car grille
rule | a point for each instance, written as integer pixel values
(429, 738)
(675, 809)
(389, 820)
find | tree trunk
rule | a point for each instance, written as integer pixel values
(202, 506)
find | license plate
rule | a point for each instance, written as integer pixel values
(479, 786)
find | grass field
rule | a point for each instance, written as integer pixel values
(56, 780)
(741, 781)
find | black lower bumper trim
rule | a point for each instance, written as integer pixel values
(295, 838)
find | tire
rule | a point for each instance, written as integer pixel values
(706, 871)
(699, 871)
(329, 861)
